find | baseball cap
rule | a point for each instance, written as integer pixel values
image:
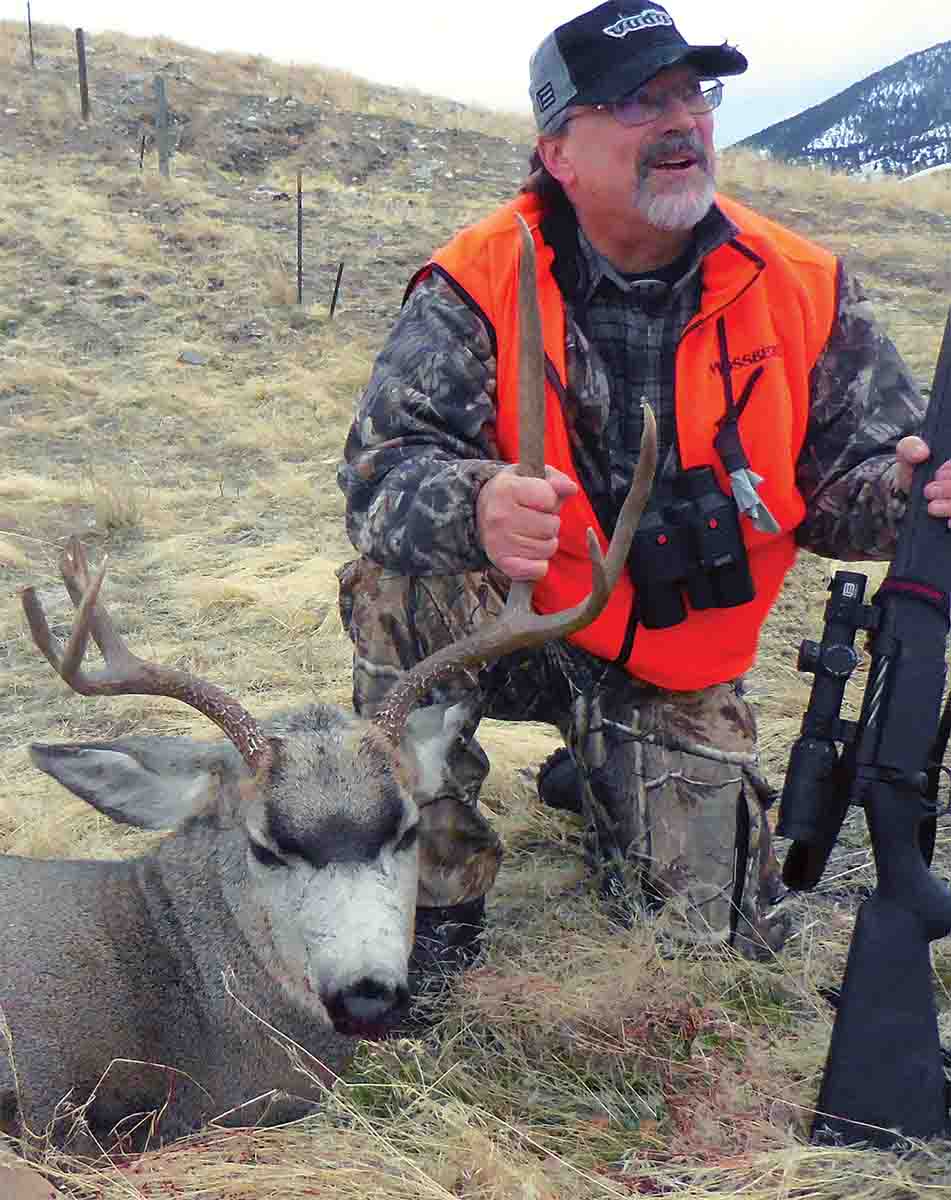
(611, 51)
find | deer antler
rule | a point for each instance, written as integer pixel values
(125, 674)
(518, 627)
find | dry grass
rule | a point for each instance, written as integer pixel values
(932, 191)
(578, 1061)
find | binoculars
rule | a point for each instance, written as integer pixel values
(689, 547)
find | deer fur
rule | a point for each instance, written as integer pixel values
(162, 992)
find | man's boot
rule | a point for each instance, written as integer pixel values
(448, 941)
(558, 783)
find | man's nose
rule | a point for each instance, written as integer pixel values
(676, 114)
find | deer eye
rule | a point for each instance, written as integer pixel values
(408, 840)
(266, 857)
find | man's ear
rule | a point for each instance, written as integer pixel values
(556, 160)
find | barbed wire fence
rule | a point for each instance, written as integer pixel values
(164, 143)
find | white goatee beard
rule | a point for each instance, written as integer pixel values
(677, 210)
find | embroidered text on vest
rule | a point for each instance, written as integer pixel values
(747, 360)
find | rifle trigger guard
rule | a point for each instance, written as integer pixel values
(943, 812)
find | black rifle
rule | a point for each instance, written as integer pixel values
(884, 1076)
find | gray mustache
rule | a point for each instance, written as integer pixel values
(672, 146)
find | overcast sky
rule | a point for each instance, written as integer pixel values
(799, 55)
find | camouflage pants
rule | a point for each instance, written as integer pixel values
(674, 804)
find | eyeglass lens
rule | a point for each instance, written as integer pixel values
(640, 108)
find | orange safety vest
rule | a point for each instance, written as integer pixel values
(777, 294)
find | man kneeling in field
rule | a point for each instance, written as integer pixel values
(784, 415)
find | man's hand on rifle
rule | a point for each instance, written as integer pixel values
(911, 451)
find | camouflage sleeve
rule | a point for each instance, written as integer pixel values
(422, 443)
(863, 401)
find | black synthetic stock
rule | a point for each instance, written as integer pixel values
(884, 1069)
(884, 1076)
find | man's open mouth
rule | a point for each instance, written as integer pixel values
(675, 164)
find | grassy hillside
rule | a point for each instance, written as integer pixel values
(578, 1061)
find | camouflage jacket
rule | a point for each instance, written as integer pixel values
(422, 443)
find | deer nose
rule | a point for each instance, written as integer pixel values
(366, 1008)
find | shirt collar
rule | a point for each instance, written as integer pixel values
(713, 231)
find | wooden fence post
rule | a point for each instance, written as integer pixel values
(29, 30)
(300, 240)
(333, 302)
(83, 83)
(161, 125)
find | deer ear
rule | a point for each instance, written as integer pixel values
(152, 783)
(428, 736)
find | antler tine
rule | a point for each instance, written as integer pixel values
(124, 674)
(91, 618)
(519, 627)
(65, 661)
(606, 569)
(74, 567)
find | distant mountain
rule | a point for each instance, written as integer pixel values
(895, 122)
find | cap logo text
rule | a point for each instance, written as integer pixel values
(650, 18)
